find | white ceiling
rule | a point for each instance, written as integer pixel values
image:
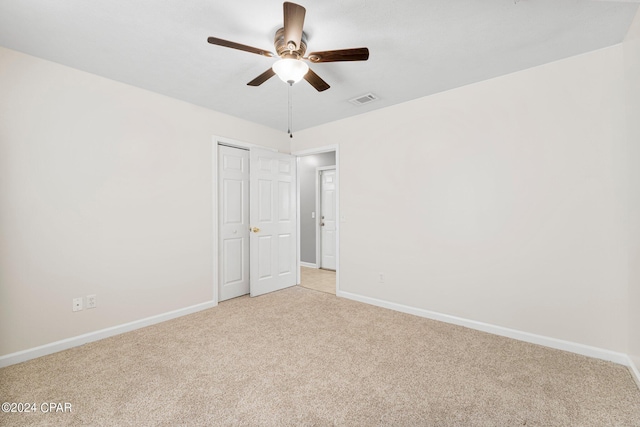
(418, 47)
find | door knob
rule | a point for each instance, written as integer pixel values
(322, 224)
(255, 229)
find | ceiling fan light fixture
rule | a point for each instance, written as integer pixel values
(290, 70)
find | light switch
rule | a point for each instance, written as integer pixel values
(313, 215)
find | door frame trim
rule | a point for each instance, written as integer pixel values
(324, 149)
(319, 211)
(229, 142)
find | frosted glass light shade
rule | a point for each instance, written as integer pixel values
(290, 70)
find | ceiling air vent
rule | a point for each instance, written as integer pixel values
(363, 99)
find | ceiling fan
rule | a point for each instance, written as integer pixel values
(291, 45)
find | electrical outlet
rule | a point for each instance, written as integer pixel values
(381, 277)
(91, 301)
(77, 304)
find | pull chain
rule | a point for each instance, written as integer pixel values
(290, 130)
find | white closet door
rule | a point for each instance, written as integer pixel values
(272, 220)
(233, 194)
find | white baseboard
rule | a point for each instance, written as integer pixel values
(598, 353)
(54, 347)
(307, 264)
(572, 347)
(635, 371)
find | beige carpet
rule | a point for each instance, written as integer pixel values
(318, 279)
(300, 357)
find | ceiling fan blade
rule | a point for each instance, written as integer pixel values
(293, 23)
(262, 78)
(357, 54)
(316, 81)
(238, 46)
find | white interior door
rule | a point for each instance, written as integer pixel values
(273, 221)
(328, 219)
(233, 214)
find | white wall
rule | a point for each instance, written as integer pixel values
(104, 189)
(501, 202)
(632, 79)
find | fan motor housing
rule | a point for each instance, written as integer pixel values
(283, 50)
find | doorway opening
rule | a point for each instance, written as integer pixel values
(318, 219)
